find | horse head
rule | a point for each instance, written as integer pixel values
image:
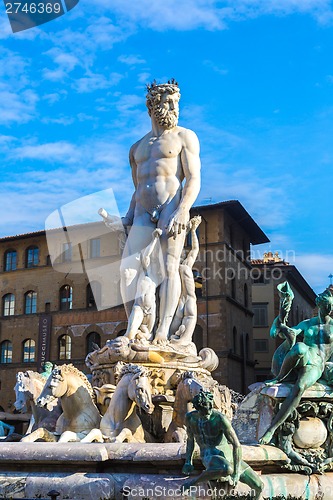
(139, 390)
(54, 388)
(189, 386)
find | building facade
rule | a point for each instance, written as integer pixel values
(267, 274)
(60, 295)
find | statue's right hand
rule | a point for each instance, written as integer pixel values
(126, 221)
(187, 469)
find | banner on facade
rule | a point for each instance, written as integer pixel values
(45, 323)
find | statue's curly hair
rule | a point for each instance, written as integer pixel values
(156, 90)
(325, 298)
(202, 398)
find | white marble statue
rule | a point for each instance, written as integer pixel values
(185, 318)
(143, 314)
(166, 175)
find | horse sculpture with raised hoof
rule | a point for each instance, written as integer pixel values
(80, 413)
(28, 387)
(120, 422)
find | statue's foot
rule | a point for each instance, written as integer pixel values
(160, 339)
(266, 438)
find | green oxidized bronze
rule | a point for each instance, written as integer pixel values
(220, 450)
(301, 361)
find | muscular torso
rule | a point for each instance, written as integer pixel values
(159, 172)
(209, 433)
(319, 337)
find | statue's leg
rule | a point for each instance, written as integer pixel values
(40, 433)
(139, 237)
(134, 321)
(171, 286)
(308, 375)
(95, 435)
(296, 357)
(252, 479)
(69, 437)
(218, 467)
(124, 435)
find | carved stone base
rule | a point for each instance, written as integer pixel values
(306, 436)
(167, 366)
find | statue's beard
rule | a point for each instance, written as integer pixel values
(165, 118)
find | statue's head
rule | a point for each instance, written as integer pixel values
(325, 301)
(203, 401)
(48, 366)
(162, 102)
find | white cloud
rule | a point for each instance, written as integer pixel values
(131, 60)
(315, 269)
(61, 120)
(65, 64)
(17, 107)
(52, 152)
(55, 96)
(93, 82)
(209, 14)
(214, 67)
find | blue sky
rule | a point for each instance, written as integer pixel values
(256, 80)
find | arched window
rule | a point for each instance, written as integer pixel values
(65, 347)
(66, 298)
(32, 257)
(92, 338)
(198, 337)
(246, 296)
(94, 294)
(10, 260)
(6, 352)
(234, 340)
(30, 302)
(29, 350)
(8, 304)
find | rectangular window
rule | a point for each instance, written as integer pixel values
(260, 345)
(66, 252)
(260, 317)
(95, 248)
